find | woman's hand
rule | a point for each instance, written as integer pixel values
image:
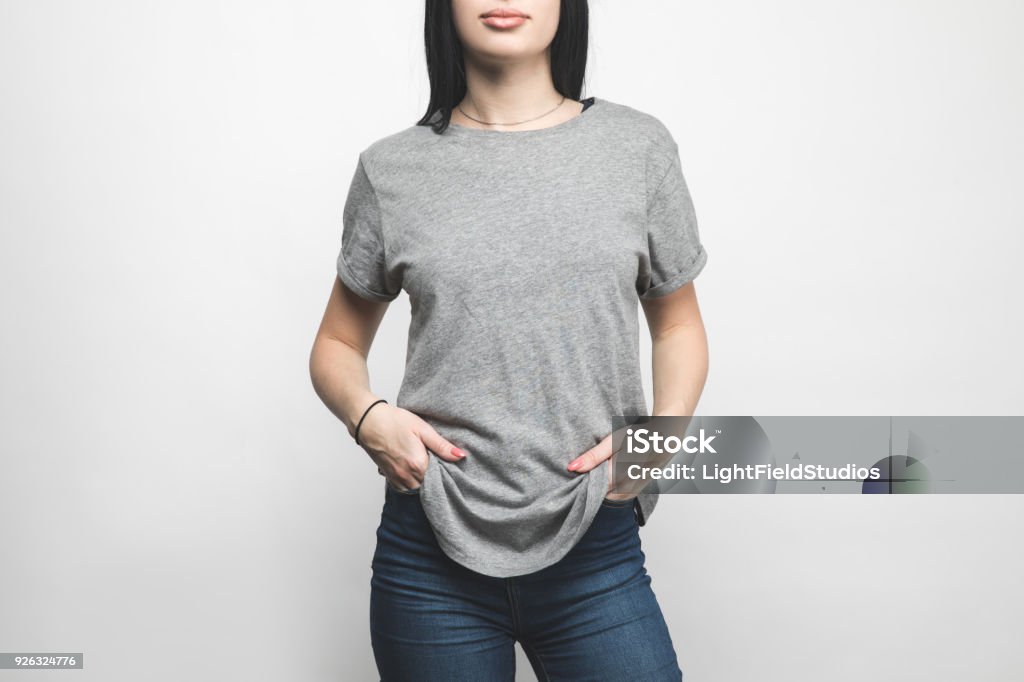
(593, 457)
(397, 440)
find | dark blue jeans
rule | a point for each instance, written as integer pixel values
(590, 616)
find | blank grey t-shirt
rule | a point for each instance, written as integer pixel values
(523, 255)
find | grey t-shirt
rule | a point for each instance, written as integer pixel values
(523, 255)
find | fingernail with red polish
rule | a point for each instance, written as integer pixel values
(458, 453)
(573, 466)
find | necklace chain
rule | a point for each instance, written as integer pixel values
(517, 122)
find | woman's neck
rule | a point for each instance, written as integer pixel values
(511, 93)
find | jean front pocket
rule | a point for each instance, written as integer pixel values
(606, 502)
(407, 491)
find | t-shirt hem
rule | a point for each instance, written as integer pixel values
(502, 571)
(679, 279)
(598, 483)
(353, 283)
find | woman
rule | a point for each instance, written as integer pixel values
(524, 224)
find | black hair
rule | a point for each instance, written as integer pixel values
(446, 68)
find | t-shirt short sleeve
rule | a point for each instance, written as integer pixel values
(674, 254)
(362, 265)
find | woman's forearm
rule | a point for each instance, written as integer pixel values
(341, 379)
(680, 368)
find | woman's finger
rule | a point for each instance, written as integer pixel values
(437, 444)
(405, 481)
(406, 467)
(402, 482)
(592, 457)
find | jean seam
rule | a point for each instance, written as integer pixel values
(540, 661)
(512, 606)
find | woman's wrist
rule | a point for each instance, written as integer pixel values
(676, 410)
(362, 418)
(357, 408)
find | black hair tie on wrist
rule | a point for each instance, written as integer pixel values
(360, 424)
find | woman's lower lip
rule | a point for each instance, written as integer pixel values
(504, 22)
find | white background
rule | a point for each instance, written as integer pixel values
(176, 502)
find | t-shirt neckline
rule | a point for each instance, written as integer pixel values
(565, 126)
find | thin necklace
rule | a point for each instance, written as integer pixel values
(511, 124)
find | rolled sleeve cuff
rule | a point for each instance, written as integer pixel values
(348, 277)
(681, 278)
